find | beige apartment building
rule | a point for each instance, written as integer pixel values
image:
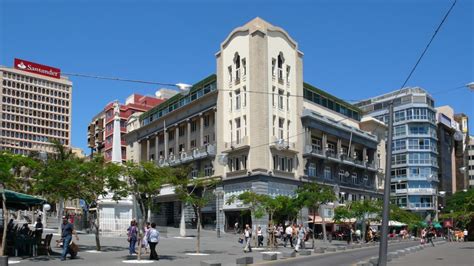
(35, 108)
(258, 126)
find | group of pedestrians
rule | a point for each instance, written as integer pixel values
(150, 239)
(293, 234)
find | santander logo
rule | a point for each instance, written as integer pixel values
(37, 68)
(21, 65)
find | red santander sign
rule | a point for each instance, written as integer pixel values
(37, 68)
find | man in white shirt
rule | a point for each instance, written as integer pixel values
(288, 237)
(465, 234)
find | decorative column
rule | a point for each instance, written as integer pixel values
(324, 143)
(157, 151)
(139, 151)
(364, 155)
(188, 135)
(166, 144)
(148, 148)
(116, 137)
(201, 129)
(176, 142)
(308, 141)
(339, 148)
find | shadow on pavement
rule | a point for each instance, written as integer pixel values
(146, 257)
(102, 248)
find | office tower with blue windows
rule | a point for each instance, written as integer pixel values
(414, 178)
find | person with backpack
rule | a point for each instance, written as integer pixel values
(153, 237)
(132, 234)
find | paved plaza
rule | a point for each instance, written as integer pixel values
(174, 250)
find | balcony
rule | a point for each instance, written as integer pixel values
(281, 144)
(421, 206)
(206, 151)
(239, 144)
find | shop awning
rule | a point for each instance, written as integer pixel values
(319, 220)
(16, 200)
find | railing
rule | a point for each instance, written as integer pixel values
(420, 205)
(429, 191)
(331, 154)
(237, 143)
(280, 75)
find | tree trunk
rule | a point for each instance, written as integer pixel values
(97, 225)
(198, 242)
(141, 225)
(5, 219)
(323, 224)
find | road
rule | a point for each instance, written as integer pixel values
(348, 257)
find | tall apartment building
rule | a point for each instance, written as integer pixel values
(101, 129)
(461, 153)
(470, 165)
(259, 127)
(415, 174)
(35, 107)
(447, 129)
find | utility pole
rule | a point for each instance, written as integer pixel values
(386, 193)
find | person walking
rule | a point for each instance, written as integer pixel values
(38, 230)
(465, 233)
(288, 233)
(248, 238)
(67, 230)
(260, 235)
(236, 227)
(429, 235)
(301, 232)
(153, 237)
(132, 233)
(144, 243)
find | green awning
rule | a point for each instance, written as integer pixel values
(16, 200)
(437, 225)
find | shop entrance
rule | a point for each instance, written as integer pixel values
(242, 217)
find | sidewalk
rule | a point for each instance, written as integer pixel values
(173, 250)
(451, 253)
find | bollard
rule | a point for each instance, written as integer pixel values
(244, 261)
(269, 256)
(210, 263)
(289, 254)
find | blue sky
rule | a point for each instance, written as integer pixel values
(353, 49)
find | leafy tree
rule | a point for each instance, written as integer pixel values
(361, 210)
(144, 182)
(196, 192)
(59, 178)
(412, 220)
(10, 165)
(97, 178)
(460, 207)
(312, 196)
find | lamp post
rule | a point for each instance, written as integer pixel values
(386, 195)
